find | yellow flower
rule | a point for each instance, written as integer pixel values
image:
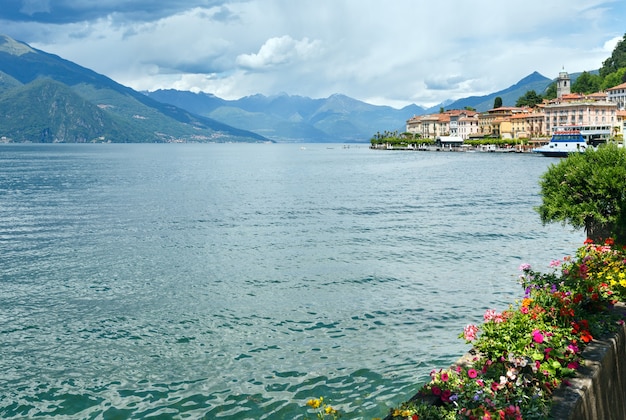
(330, 410)
(315, 403)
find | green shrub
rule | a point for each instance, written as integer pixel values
(588, 190)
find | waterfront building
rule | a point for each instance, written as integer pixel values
(452, 123)
(620, 127)
(617, 94)
(468, 125)
(598, 116)
(497, 121)
(593, 115)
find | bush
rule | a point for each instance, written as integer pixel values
(588, 190)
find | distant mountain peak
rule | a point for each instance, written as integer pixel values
(13, 47)
(532, 78)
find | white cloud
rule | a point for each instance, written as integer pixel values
(279, 51)
(395, 52)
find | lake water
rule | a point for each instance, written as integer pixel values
(237, 281)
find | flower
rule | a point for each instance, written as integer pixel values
(314, 403)
(445, 395)
(526, 352)
(469, 332)
(492, 315)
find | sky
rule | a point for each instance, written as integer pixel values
(383, 52)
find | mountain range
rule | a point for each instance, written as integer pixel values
(45, 98)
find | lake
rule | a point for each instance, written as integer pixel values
(237, 281)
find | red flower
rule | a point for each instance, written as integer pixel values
(415, 417)
(445, 395)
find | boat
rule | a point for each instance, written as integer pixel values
(563, 143)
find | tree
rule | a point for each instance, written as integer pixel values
(586, 83)
(588, 190)
(551, 91)
(530, 99)
(617, 59)
(497, 103)
(613, 79)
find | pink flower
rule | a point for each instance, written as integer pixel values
(524, 267)
(469, 332)
(436, 390)
(573, 365)
(555, 263)
(444, 377)
(492, 315)
(472, 373)
(537, 336)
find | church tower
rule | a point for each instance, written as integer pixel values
(562, 84)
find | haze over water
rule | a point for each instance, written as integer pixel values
(237, 281)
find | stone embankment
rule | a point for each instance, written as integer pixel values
(598, 391)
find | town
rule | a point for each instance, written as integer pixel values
(599, 117)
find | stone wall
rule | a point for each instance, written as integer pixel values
(598, 392)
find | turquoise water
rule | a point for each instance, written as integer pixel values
(237, 281)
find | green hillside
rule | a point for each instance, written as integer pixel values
(87, 105)
(55, 113)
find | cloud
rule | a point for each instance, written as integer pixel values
(30, 7)
(396, 52)
(443, 83)
(74, 11)
(279, 51)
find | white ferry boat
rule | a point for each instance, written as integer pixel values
(563, 143)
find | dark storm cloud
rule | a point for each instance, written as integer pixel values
(70, 11)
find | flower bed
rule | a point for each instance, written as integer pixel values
(522, 355)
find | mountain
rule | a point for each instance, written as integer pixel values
(46, 98)
(510, 95)
(292, 118)
(336, 118)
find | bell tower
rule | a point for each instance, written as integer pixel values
(563, 84)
